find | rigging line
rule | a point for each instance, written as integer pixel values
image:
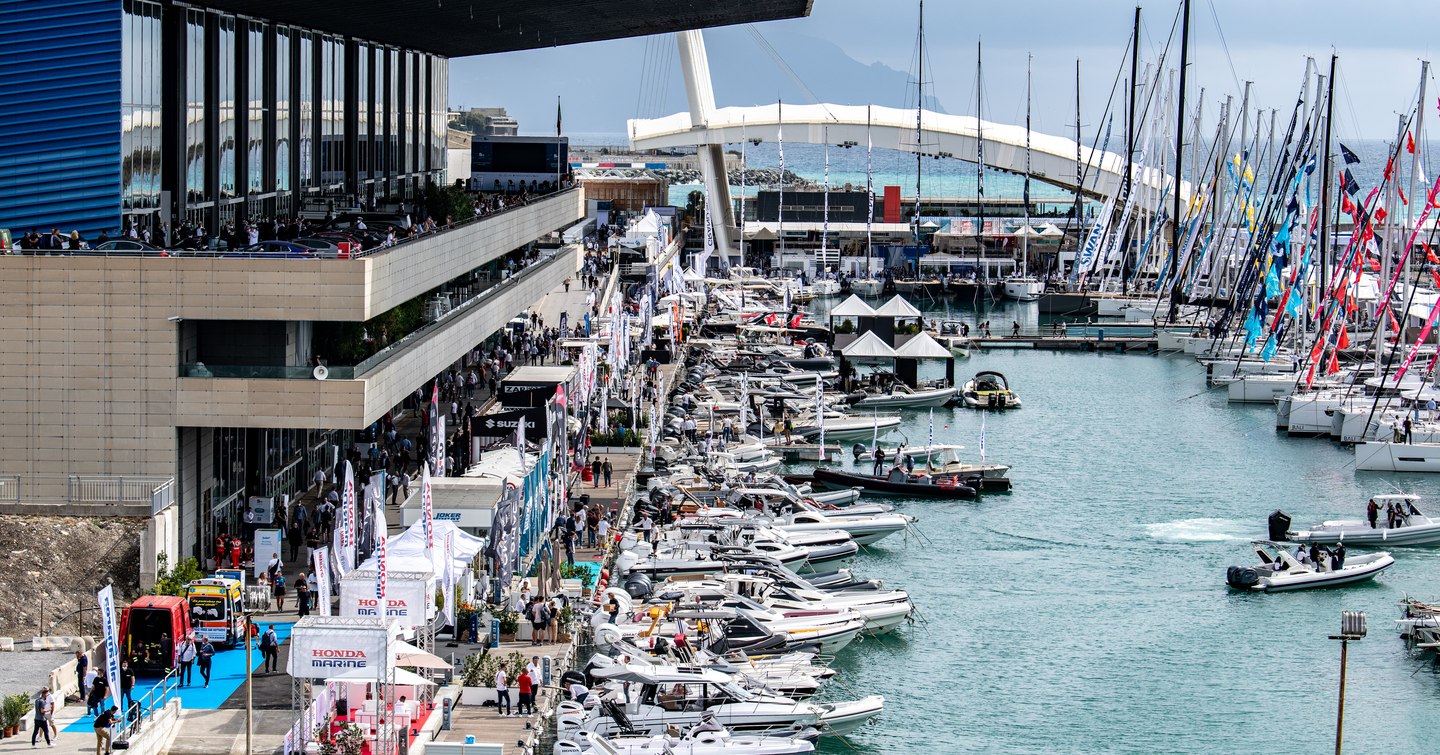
(671, 43)
(644, 67)
(785, 67)
(1225, 46)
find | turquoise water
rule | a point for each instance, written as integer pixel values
(1087, 610)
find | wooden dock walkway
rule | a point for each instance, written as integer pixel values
(1070, 343)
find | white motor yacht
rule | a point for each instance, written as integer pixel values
(648, 700)
(701, 741)
(1280, 571)
(1414, 528)
(867, 286)
(901, 396)
(1023, 288)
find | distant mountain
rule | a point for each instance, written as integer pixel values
(603, 84)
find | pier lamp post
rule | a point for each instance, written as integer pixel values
(249, 677)
(1352, 627)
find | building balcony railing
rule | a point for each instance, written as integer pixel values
(344, 372)
(125, 492)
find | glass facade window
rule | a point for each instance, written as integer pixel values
(283, 96)
(305, 105)
(255, 110)
(195, 71)
(225, 102)
(381, 121)
(140, 103)
(439, 87)
(332, 111)
(363, 108)
(392, 111)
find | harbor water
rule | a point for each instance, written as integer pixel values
(1087, 610)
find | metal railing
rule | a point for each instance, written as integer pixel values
(341, 372)
(146, 705)
(154, 491)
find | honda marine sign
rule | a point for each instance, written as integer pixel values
(405, 601)
(322, 647)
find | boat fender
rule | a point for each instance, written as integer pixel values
(1242, 577)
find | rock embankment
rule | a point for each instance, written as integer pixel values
(56, 564)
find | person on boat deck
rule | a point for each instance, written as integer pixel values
(879, 462)
(1316, 556)
(1413, 511)
(909, 463)
(1372, 512)
(1337, 557)
(1301, 555)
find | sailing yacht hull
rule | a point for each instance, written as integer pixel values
(1023, 289)
(1067, 304)
(1386, 456)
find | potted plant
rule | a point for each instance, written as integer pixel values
(350, 740)
(509, 625)
(12, 711)
(565, 622)
(477, 679)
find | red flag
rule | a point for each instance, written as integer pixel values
(1394, 325)
(1310, 376)
(1389, 166)
(1403, 200)
(1333, 366)
(1430, 254)
(1346, 205)
(1380, 214)
(1344, 342)
(1409, 142)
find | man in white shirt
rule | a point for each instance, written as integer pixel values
(646, 526)
(534, 670)
(602, 530)
(502, 692)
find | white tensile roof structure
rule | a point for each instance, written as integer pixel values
(897, 307)
(922, 346)
(853, 307)
(868, 346)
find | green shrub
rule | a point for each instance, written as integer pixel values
(173, 581)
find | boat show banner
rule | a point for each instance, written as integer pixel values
(320, 570)
(501, 425)
(106, 599)
(405, 598)
(320, 652)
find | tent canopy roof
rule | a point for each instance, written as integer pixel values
(922, 346)
(897, 307)
(868, 346)
(853, 307)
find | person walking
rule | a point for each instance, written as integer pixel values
(270, 649)
(278, 580)
(185, 658)
(44, 709)
(302, 595)
(502, 692)
(596, 469)
(103, 722)
(99, 690)
(608, 469)
(204, 656)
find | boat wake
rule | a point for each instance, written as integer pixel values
(1201, 530)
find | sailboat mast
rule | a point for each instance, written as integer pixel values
(1025, 197)
(1178, 219)
(1079, 227)
(980, 166)
(919, 110)
(869, 190)
(1325, 182)
(742, 201)
(1130, 139)
(825, 227)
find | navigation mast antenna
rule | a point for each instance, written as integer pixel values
(1325, 180)
(980, 169)
(1025, 229)
(1079, 180)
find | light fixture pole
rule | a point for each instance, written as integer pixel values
(249, 689)
(1352, 627)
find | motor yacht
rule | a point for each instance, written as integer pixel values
(1281, 571)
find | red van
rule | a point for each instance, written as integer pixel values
(149, 629)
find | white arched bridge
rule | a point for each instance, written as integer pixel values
(1052, 158)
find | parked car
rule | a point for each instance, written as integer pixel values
(285, 249)
(127, 245)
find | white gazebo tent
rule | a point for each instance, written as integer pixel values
(868, 347)
(899, 309)
(852, 307)
(922, 346)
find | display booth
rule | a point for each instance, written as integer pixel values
(350, 671)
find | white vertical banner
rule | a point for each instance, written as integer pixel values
(448, 578)
(820, 413)
(427, 506)
(382, 568)
(347, 532)
(320, 570)
(106, 599)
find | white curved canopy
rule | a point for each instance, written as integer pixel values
(922, 346)
(1052, 157)
(852, 307)
(868, 346)
(897, 307)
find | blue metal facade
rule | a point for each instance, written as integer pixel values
(60, 115)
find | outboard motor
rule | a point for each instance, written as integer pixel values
(1279, 525)
(1242, 577)
(638, 585)
(859, 450)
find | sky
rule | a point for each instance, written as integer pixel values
(857, 51)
